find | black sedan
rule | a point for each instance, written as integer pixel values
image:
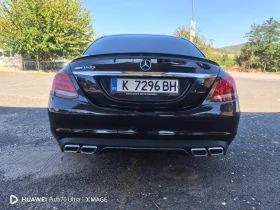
(144, 92)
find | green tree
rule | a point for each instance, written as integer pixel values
(226, 61)
(245, 59)
(263, 44)
(45, 29)
(200, 41)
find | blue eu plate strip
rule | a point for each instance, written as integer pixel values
(114, 85)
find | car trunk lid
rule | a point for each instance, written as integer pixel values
(193, 78)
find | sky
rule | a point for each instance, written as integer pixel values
(223, 21)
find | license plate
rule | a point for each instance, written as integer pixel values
(145, 86)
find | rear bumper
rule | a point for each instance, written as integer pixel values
(182, 146)
(78, 122)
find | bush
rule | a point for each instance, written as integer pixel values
(227, 61)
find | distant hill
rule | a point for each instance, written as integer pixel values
(231, 49)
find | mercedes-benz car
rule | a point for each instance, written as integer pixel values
(144, 92)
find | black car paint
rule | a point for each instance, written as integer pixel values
(96, 118)
(192, 90)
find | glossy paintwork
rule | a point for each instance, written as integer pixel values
(213, 121)
(131, 62)
(97, 88)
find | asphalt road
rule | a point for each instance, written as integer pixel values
(31, 164)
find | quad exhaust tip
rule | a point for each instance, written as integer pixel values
(88, 149)
(75, 148)
(199, 151)
(204, 152)
(71, 148)
(216, 151)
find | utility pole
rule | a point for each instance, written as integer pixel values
(192, 10)
(192, 29)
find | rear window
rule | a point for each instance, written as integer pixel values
(143, 44)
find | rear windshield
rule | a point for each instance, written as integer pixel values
(143, 44)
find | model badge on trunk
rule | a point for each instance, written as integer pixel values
(85, 67)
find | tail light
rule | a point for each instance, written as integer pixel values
(225, 90)
(63, 86)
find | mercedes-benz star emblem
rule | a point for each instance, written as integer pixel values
(145, 65)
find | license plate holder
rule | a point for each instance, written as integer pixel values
(145, 86)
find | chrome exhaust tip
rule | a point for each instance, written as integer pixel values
(199, 152)
(88, 149)
(71, 148)
(216, 151)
